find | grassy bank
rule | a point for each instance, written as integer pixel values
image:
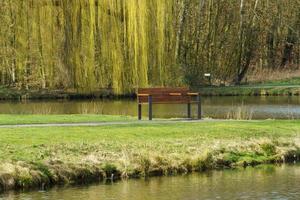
(10, 93)
(39, 157)
(285, 87)
(248, 90)
(44, 119)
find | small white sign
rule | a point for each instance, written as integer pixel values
(207, 75)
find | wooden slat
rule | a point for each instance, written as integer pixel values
(167, 96)
(162, 90)
(154, 91)
(175, 94)
(166, 99)
(143, 95)
(166, 102)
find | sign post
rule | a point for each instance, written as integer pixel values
(208, 76)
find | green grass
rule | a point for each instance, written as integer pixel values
(285, 87)
(252, 90)
(284, 82)
(27, 144)
(55, 154)
(42, 119)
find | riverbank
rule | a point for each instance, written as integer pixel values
(46, 156)
(251, 90)
(9, 93)
(242, 90)
(286, 87)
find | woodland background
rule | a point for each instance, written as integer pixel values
(124, 44)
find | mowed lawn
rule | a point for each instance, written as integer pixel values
(42, 119)
(113, 142)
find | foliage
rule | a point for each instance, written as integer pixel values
(86, 45)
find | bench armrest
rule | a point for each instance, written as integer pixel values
(193, 94)
(143, 95)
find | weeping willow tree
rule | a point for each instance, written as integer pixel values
(116, 43)
(111, 57)
(79, 43)
(132, 43)
(30, 60)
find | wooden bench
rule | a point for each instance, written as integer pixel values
(167, 96)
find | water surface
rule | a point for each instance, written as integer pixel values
(264, 182)
(213, 107)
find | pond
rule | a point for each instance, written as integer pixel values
(213, 107)
(262, 182)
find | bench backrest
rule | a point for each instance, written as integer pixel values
(164, 95)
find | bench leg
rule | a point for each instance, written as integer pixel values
(140, 111)
(189, 110)
(150, 107)
(199, 107)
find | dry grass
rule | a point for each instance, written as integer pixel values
(265, 75)
(240, 113)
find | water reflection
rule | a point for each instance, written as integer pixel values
(264, 182)
(213, 107)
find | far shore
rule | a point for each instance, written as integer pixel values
(242, 90)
